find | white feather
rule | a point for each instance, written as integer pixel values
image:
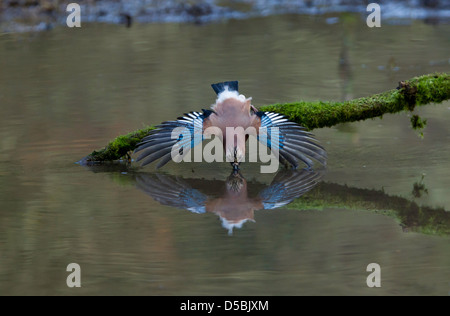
(227, 94)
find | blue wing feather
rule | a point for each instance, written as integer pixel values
(159, 143)
(173, 192)
(293, 143)
(287, 186)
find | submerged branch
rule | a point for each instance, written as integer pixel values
(432, 88)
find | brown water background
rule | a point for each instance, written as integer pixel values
(66, 92)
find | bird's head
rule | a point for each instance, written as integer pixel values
(232, 100)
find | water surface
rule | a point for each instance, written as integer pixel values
(66, 92)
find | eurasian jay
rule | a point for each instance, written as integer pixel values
(233, 110)
(234, 206)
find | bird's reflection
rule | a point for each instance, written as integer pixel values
(232, 201)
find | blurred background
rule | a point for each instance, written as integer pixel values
(24, 15)
(67, 91)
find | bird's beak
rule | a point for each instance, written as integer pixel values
(235, 164)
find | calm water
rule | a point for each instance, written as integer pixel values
(66, 92)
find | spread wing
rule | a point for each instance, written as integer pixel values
(172, 191)
(287, 186)
(161, 141)
(294, 142)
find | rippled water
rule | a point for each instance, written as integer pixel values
(66, 92)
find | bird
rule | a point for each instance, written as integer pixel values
(231, 200)
(233, 110)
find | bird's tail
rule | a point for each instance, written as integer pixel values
(222, 86)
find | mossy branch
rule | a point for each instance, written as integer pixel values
(432, 88)
(410, 215)
(117, 149)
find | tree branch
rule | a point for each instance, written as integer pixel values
(432, 88)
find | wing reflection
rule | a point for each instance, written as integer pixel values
(230, 200)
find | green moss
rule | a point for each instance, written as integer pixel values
(417, 122)
(411, 216)
(433, 88)
(118, 148)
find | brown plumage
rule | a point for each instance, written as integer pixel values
(232, 110)
(230, 199)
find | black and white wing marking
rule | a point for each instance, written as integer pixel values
(172, 192)
(159, 143)
(294, 142)
(287, 186)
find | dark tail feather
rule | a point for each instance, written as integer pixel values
(221, 86)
